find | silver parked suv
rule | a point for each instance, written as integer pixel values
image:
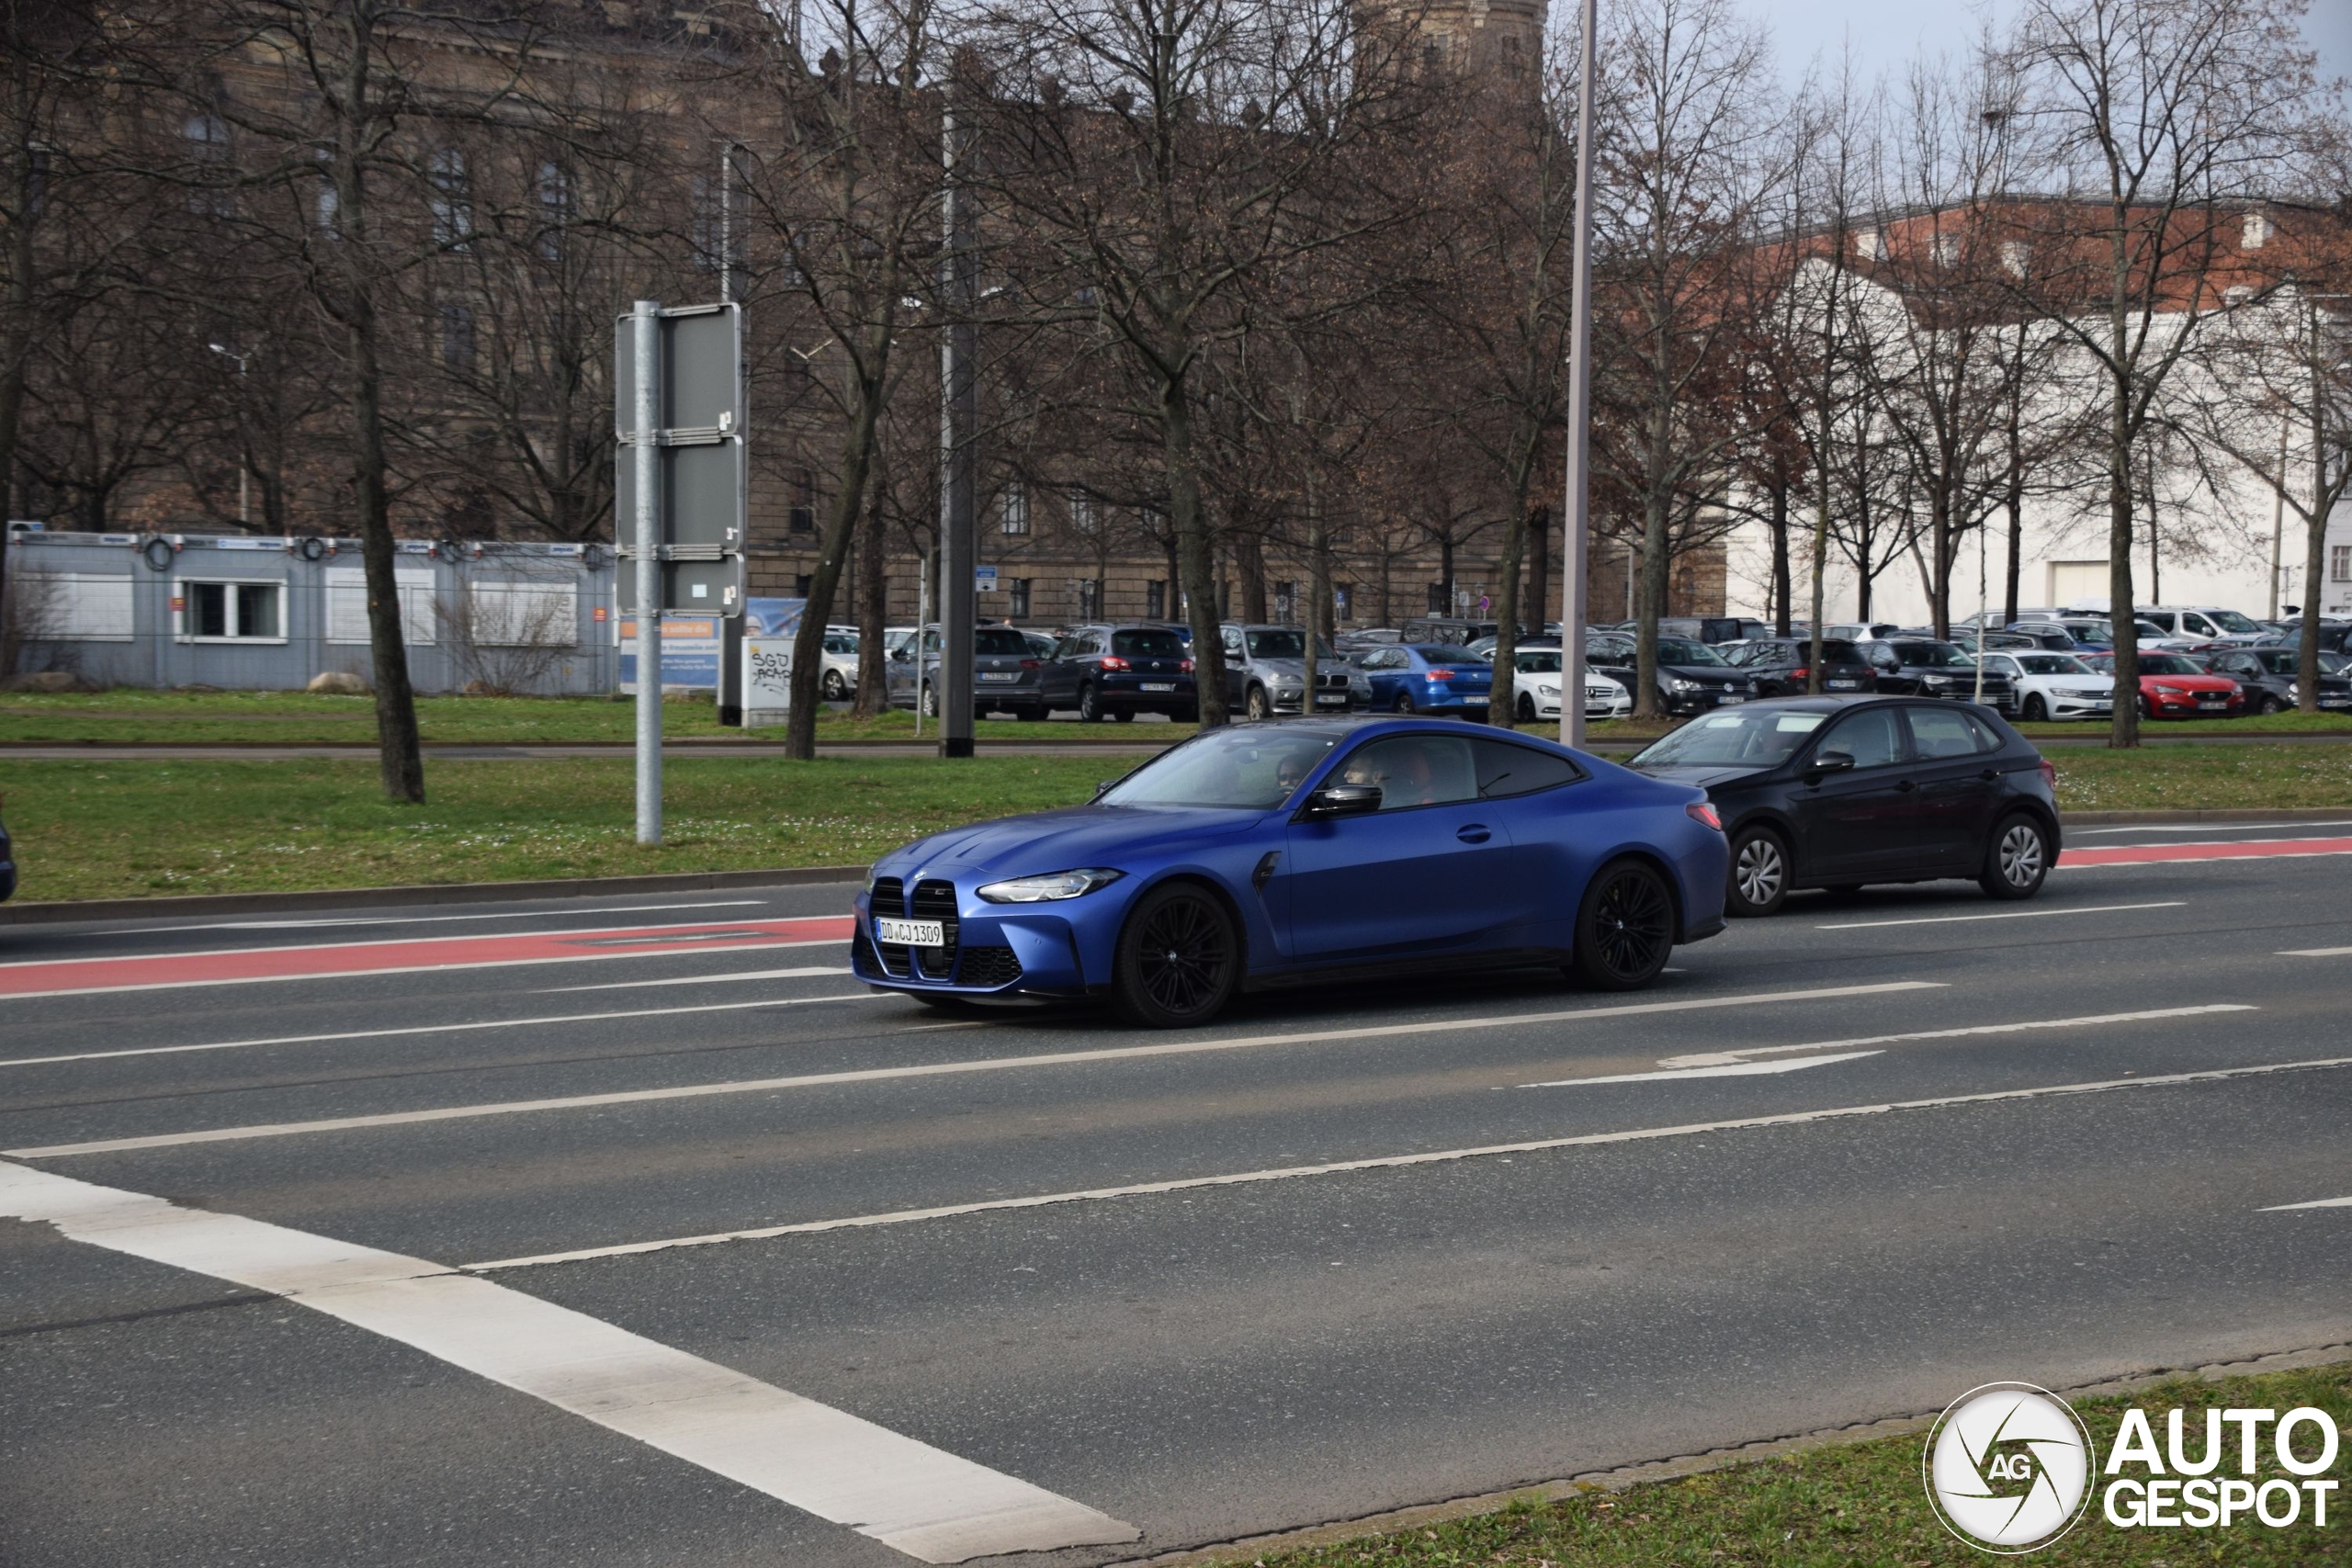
(1265, 673)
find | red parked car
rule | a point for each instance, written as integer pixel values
(2173, 686)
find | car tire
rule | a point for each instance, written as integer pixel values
(1760, 871)
(1624, 929)
(931, 701)
(2141, 703)
(1089, 706)
(1124, 715)
(1256, 705)
(832, 687)
(1179, 959)
(1187, 716)
(2269, 705)
(1031, 715)
(1404, 703)
(2016, 859)
(2036, 711)
(1526, 708)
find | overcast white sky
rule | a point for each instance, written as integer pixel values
(1885, 33)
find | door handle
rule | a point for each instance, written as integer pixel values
(1473, 833)
(1905, 786)
(1989, 774)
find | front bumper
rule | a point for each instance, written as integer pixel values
(994, 950)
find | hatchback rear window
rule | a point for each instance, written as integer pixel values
(1150, 644)
(999, 640)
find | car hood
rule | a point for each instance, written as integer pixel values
(1700, 777)
(1120, 837)
(1712, 673)
(2193, 683)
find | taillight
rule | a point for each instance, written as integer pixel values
(1440, 674)
(1702, 811)
(2049, 776)
(1029, 664)
(1113, 661)
(1798, 674)
(1185, 668)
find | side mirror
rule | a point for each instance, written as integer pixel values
(1340, 800)
(1829, 763)
(1102, 788)
(900, 656)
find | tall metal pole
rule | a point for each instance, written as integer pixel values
(645, 328)
(1575, 514)
(959, 417)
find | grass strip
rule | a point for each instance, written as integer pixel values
(107, 829)
(1863, 1503)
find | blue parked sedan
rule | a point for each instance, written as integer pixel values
(1427, 677)
(1299, 851)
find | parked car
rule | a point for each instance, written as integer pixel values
(1860, 631)
(1782, 667)
(1349, 643)
(1427, 677)
(2202, 625)
(1260, 855)
(2048, 636)
(1007, 677)
(2054, 685)
(2271, 678)
(838, 682)
(1968, 640)
(1842, 792)
(1118, 671)
(1535, 689)
(2173, 686)
(1691, 676)
(1712, 628)
(2334, 637)
(1042, 644)
(1265, 673)
(1451, 631)
(1925, 668)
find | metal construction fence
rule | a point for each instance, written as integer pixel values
(247, 614)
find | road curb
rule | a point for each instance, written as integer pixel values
(1626, 1477)
(429, 892)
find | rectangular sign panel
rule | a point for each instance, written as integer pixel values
(700, 456)
(689, 652)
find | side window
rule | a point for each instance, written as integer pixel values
(1883, 656)
(1415, 769)
(1941, 733)
(2198, 625)
(1506, 770)
(1873, 738)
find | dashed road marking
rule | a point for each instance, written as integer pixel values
(2002, 915)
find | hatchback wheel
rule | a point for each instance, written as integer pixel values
(1089, 706)
(834, 689)
(2270, 704)
(1403, 704)
(1760, 873)
(1624, 929)
(931, 701)
(1259, 704)
(2017, 858)
(1179, 959)
(1526, 708)
(2036, 711)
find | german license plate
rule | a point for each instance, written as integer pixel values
(1841, 685)
(1160, 685)
(2219, 704)
(1000, 674)
(1730, 698)
(910, 933)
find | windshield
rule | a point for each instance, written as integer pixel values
(1750, 737)
(2053, 664)
(1681, 651)
(1000, 640)
(2283, 663)
(2168, 664)
(841, 642)
(1247, 769)
(1540, 661)
(2334, 663)
(1151, 644)
(1284, 642)
(2232, 622)
(1932, 655)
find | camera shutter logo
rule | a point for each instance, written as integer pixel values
(2008, 1467)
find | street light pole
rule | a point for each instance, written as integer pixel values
(1575, 518)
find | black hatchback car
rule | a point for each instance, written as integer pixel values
(1114, 671)
(1782, 665)
(1922, 667)
(1691, 676)
(2271, 678)
(1839, 792)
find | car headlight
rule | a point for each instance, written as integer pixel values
(1678, 684)
(1050, 888)
(1547, 688)
(2171, 691)
(1939, 680)
(2294, 691)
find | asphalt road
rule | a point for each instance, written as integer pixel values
(349, 1232)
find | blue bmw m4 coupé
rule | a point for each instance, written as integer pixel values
(1301, 851)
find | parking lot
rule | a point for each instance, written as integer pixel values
(633, 1231)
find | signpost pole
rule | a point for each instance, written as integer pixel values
(1579, 486)
(645, 326)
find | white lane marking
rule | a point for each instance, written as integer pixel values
(2204, 828)
(1399, 1162)
(427, 920)
(2315, 1203)
(932, 1070)
(443, 1028)
(604, 956)
(2086, 1021)
(2003, 914)
(694, 980)
(1720, 1070)
(2315, 952)
(925, 1502)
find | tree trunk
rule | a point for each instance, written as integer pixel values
(2314, 542)
(1781, 586)
(1196, 570)
(1653, 605)
(2124, 731)
(16, 320)
(1940, 541)
(1537, 593)
(1503, 689)
(873, 614)
(866, 381)
(1249, 560)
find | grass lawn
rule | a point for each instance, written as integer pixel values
(96, 827)
(1863, 1503)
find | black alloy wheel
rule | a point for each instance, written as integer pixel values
(1404, 703)
(1256, 705)
(2017, 858)
(1089, 706)
(1179, 960)
(1624, 931)
(2036, 711)
(1760, 873)
(1526, 708)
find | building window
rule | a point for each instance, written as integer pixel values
(1155, 600)
(2339, 563)
(1871, 245)
(2254, 233)
(2016, 256)
(37, 169)
(327, 202)
(1946, 250)
(800, 585)
(802, 518)
(1438, 597)
(1086, 597)
(709, 223)
(457, 337)
(207, 136)
(452, 199)
(232, 612)
(558, 206)
(1286, 600)
(1012, 509)
(1085, 513)
(1019, 596)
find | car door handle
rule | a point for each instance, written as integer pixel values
(1905, 786)
(1472, 833)
(1989, 774)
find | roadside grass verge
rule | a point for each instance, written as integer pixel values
(100, 827)
(1863, 1503)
